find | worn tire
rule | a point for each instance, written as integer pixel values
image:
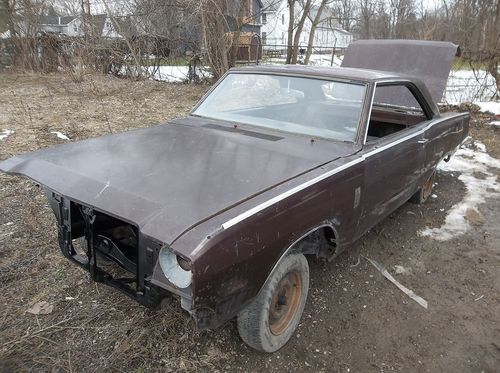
(261, 328)
(424, 192)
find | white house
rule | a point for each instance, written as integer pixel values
(275, 16)
(68, 25)
(274, 31)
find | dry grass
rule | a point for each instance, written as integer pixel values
(92, 327)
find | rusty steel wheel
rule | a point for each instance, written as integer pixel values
(424, 192)
(269, 321)
(285, 302)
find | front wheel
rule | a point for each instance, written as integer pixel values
(269, 321)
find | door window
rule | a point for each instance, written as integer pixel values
(395, 108)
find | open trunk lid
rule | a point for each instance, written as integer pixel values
(429, 61)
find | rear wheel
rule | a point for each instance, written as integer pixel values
(424, 192)
(269, 321)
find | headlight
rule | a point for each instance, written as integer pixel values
(176, 269)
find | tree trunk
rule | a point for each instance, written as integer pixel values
(236, 36)
(298, 32)
(213, 34)
(291, 15)
(494, 50)
(315, 23)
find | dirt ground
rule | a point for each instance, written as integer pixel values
(355, 320)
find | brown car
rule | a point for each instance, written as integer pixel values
(275, 163)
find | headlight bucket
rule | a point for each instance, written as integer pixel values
(172, 269)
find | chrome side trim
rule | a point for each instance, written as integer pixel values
(288, 193)
(319, 178)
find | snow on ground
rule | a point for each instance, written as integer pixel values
(474, 165)
(60, 135)
(176, 74)
(5, 133)
(469, 86)
(490, 106)
(325, 60)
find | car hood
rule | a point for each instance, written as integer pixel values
(182, 173)
(429, 61)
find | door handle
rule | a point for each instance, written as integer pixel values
(422, 141)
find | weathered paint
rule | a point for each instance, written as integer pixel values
(233, 203)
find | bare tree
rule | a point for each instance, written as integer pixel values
(295, 26)
(366, 16)
(291, 27)
(315, 21)
(69, 7)
(346, 11)
(492, 52)
(23, 19)
(214, 40)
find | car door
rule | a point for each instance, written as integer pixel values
(394, 152)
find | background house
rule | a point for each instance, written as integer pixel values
(249, 27)
(275, 19)
(68, 25)
(100, 25)
(253, 17)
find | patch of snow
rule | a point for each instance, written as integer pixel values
(5, 133)
(474, 164)
(169, 74)
(489, 106)
(176, 74)
(60, 135)
(495, 123)
(469, 86)
(325, 60)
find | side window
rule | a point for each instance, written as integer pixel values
(396, 96)
(394, 109)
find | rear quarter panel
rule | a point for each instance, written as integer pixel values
(444, 136)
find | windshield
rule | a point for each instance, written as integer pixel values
(312, 107)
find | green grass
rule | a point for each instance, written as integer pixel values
(461, 63)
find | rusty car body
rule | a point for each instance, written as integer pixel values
(207, 207)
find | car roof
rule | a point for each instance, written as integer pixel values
(347, 73)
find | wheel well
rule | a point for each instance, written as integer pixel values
(321, 242)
